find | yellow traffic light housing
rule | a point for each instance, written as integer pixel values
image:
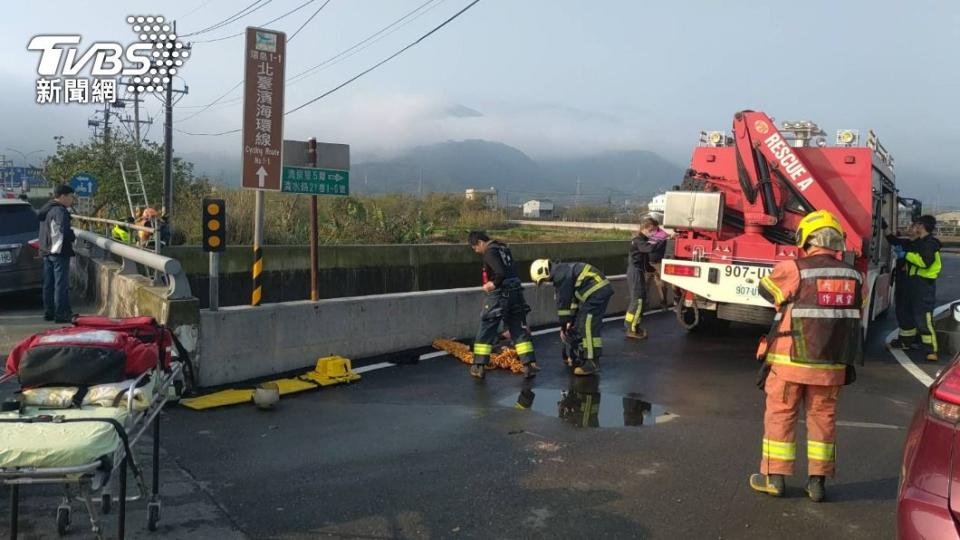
(214, 225)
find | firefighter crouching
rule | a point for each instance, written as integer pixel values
(809, 354)
(504, 302)
(582, 294)
(920, 259)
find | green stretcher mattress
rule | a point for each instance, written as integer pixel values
(51, 444)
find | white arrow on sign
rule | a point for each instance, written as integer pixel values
(261, 174)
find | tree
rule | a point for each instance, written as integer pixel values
(103, 162)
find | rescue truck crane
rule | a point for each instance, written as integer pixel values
(741, 200)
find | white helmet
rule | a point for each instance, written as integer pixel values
(540, 270)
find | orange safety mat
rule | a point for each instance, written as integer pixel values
(505, 358)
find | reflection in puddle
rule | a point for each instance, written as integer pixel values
(581, 405)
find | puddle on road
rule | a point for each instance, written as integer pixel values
(584, 405)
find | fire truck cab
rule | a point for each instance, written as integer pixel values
(735, 214)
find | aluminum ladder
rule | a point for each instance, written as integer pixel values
(136, 192)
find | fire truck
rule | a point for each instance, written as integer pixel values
(736, 212)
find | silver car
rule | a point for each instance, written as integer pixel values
(21, 267)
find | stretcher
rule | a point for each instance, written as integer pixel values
(50, 438)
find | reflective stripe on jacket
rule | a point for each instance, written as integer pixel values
(817, 328)
(574, 284)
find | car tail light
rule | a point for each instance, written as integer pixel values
(681, 270)
(35, 243)
(945, 401)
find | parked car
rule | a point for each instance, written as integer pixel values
(21, 268)
(928, 503)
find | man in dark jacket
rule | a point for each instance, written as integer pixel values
(503, 302)
(922, 266)
(56, 247)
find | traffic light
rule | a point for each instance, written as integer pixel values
(214, 225)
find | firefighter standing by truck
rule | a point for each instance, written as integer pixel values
(503, 301)
(809, 354)
(920, 259)
(582, 294)
(638, 261)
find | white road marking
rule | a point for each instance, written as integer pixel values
(905, 360)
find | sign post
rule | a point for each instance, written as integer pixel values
(84, 187)
(264, 72)
(312, 158)
(314, 168)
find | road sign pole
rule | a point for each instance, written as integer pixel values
(214, 281)
(257, 294)
(312, 158)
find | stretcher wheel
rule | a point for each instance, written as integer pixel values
(153, 515)
(105, 503)
(63, 520)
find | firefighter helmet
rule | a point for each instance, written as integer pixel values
(540, 270)
(822, 229)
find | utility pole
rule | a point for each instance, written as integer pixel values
(167, 201)
(578, 192)
(106, 124)
(420, 187)
(136, 121)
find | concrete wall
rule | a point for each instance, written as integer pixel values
(101, 284)
(346, 271)
(241, 342)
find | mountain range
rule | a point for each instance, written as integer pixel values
(454, 166)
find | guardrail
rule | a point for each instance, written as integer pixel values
(176, 278)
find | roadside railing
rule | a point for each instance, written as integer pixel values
(172, 271)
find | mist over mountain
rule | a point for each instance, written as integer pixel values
(454, 166)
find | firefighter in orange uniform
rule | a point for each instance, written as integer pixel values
(809, 354)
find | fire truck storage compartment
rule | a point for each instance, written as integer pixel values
(693, 210)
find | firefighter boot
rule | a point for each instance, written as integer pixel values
(932, 357)
(771, 484)
(477, 371)
(587, 367)
(899, 343)
(530, 370)
(816, 489)
(640, 334)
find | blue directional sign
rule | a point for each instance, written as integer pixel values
(22, 176)
(84, 185)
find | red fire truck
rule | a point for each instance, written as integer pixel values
(735, 215)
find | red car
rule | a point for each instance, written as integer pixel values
(928, 503)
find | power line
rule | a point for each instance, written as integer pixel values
(303, 74)
(333, 59)
(257, 4)
(271, 21)
(194, 10)
(385, 60)
(306, 22)
(355, 77)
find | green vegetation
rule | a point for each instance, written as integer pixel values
(380, 219)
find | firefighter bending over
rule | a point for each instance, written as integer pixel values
(504, 302)
(582, 293)
(809, 354)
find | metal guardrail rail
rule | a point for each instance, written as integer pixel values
(178, 286)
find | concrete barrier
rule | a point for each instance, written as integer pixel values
(103, 284)
(240, 342)
(358, 270)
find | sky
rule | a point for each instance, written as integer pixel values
(555, 78)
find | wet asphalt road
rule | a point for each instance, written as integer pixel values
(423, 451)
